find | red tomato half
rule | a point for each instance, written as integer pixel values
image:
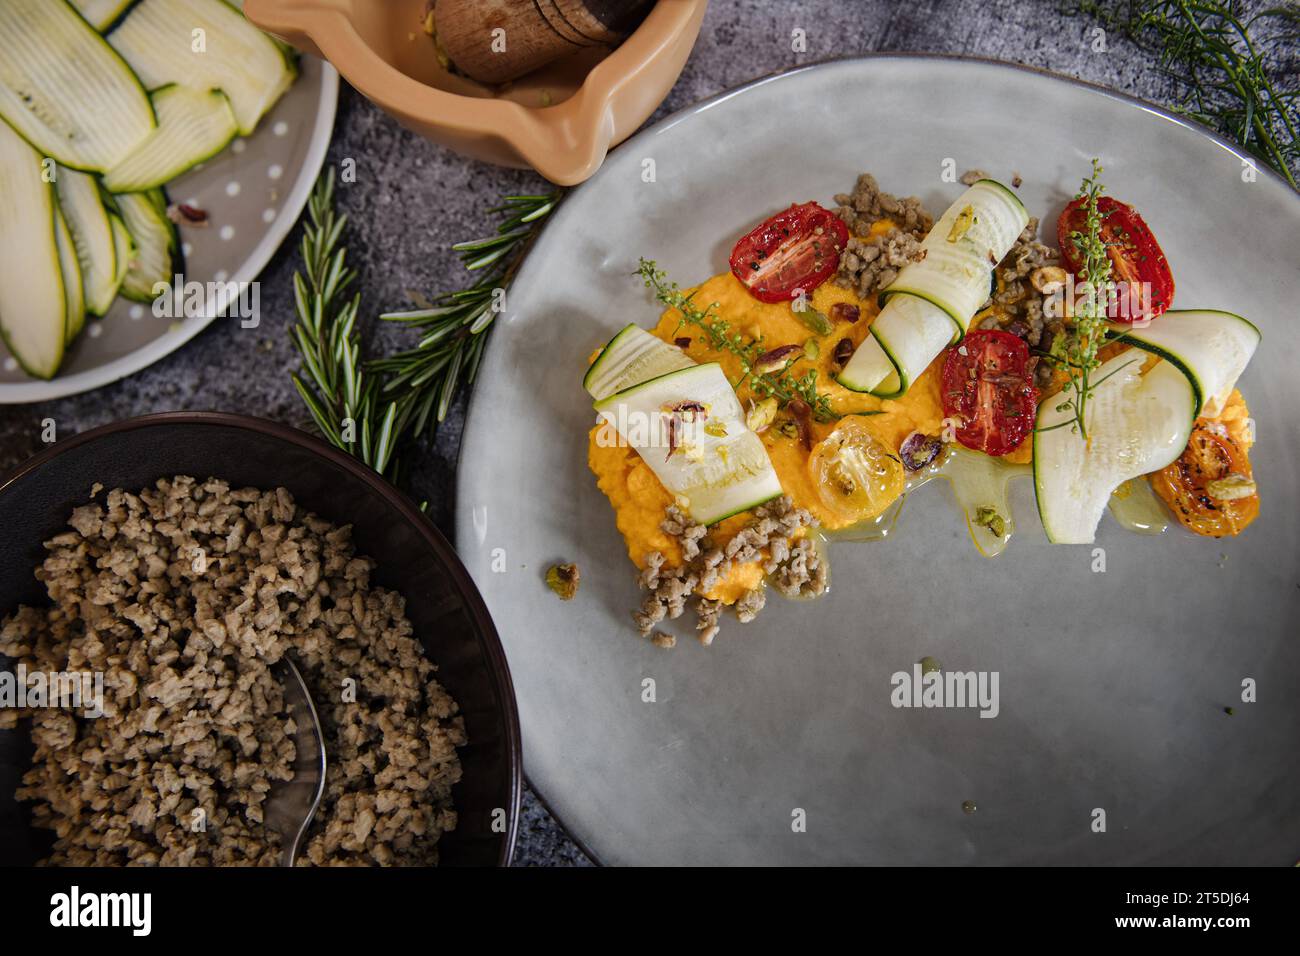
(987, 389)
(1135, 256)
(794, 251)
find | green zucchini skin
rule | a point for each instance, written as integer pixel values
(92, 235)
(48, 56)
(193, 126)
(157, 257)
(155, 39)
(33, 303)
(73, 288)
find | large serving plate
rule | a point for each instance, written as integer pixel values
(252, 191)
(1113, 685)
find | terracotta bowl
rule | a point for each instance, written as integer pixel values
(561, 120)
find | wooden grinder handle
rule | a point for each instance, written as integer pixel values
(497, 40)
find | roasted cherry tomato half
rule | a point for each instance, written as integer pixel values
(794, 251)
(1135, 256)
(856, 476)
(1210, 488)
(988, 389)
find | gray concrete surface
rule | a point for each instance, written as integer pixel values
(412, 200)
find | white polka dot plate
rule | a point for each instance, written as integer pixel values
(252, 193)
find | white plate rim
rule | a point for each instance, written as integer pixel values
(19, 393)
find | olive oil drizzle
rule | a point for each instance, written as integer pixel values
(980, 486)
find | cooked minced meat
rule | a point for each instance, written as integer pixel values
(1017, 306)
(868, 204)
(183, 596)
(869, 264)
(794, 566)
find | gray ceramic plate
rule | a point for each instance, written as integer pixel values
(253, 192)
(1113, 686)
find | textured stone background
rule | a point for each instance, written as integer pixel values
(412, 200)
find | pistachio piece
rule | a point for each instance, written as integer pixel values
(811, 350)
(843, 352)
(716, 429)
(845, 312)
(962, 224)
(813, 320)
(801, 412)
(761, 414)
(563, 580)
(1230, 487)
(777, 359)
(989, 518)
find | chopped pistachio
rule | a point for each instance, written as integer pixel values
(761, 414)
(777, 359)
(563, 580)
(787, 428)
(811, 350)
(814, 321)
(929, 665)
(962, 224)
(716, 429)
(989, 518)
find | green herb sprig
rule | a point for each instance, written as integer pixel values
(342, 398)
(1213, 48)
(784, 386)
(454, 328)
(372, 409)
(1079, 353)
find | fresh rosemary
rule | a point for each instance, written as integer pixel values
(371, 409)
(454, 328)
(1215, 51)
(782, 385)
(341, 397)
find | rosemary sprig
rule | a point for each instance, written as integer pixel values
(1213, 49)
(782, 385)
(371, 409)
(1079, 355)
(342, 398)
(454, 328)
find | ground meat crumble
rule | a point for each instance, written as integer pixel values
(183, 596)
(794, 566)
(869, 264)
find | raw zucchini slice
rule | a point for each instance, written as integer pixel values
(1212, 349)
(65, 90)
(123, 250)
(909, 333)
(1137, 423)
(74, 300)
(32, 304)
(154, 235)
(100, 14)
(690, 429)
(193, 126)
(158, 39)
(632, 356)
(92, 235)
(953, 277)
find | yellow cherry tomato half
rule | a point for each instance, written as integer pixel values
(856, 475)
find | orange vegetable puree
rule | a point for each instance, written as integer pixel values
(639, 499)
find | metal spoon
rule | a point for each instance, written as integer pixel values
(291, 804)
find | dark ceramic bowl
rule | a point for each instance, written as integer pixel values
(412, 557)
